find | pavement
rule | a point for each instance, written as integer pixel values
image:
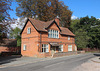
(96, 59)
(66, 63)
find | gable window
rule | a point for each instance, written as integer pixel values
(53, 33)
(24, 47)
(45, 48)
(61, 48)
(28, 30)
(68, 37)
(69, 47)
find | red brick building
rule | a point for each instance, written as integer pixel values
(40, 38)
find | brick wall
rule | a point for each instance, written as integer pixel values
(63, 40)
(64, 54)
(3, 49)
(30, 40)
(10, 49)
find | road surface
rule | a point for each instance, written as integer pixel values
(67, 63)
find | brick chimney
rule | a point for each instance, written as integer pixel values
(57, 20)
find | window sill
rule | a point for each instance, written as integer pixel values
(53, 38)
(28, 34)
(43, 52)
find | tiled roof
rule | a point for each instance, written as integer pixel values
(41, 26)
(66, 31)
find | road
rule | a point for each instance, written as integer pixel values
(67, 63)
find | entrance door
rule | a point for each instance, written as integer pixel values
(53, 48)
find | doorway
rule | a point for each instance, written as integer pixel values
(53, 48)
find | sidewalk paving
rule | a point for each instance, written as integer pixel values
(96, 59)
(91, 65)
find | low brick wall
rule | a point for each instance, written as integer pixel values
(59, 54)
(6, 51)
(80, 52)
(3, 49)
(42, 55)
(47, 55)
(10, 49)
(64, 54)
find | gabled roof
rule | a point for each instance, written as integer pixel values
(43, 26)
(40, 25)
(52, 23)
(66, 31)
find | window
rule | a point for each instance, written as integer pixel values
(28, 30)
(24, 47)
(45, 48)
(69, 47)
(68, 37)
(53, 33)
(61, 48)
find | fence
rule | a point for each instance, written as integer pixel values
(89, 49)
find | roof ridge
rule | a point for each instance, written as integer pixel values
(37, 20)
(42, 21)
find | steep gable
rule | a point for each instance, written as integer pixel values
(35, 23)
(40, 25)
(54, 22)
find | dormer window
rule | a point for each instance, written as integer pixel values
(53, 33)
(68, 37)
(28, 30)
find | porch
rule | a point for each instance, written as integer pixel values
(55, 48)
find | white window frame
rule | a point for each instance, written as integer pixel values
(47, 48)
(68, 37)
(53, 33)
(24, 47)
(28, 30)
(70, 46)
